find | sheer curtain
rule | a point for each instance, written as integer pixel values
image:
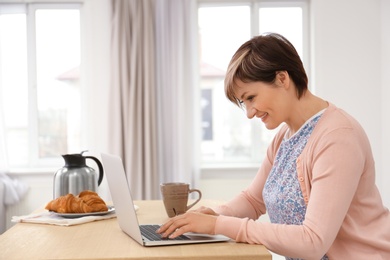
(177, 95)
(151, 102)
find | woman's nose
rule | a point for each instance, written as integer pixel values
(250, 112)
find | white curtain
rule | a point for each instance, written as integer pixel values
(151, 103)
(177, 94)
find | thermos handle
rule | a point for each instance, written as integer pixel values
(99, 164)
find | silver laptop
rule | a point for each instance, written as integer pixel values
(127, 217)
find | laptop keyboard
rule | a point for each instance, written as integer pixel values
(149, 231)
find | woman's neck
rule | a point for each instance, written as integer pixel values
(304, 108)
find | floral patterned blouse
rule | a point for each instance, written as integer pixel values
(282, 193)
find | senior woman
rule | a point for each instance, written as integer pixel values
(317, 181)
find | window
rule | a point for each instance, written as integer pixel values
(39, 81)
(228, 137)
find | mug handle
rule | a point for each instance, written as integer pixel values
(200, 196)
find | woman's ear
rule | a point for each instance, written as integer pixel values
(282, 79)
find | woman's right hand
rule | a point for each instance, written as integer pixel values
(206, 210)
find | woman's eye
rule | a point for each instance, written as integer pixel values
(247, 99)
(250, 98)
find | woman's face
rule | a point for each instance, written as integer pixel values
(269, 102)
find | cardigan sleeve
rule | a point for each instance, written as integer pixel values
(334, 166)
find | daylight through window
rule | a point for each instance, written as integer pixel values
(228, 137)
(40, 81)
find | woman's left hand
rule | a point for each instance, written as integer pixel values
(191, 221)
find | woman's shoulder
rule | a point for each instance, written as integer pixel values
(337, 123)
(335, 117)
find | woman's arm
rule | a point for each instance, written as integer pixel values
(248, 203)
(336, 166)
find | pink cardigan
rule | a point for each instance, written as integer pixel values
(345, 216)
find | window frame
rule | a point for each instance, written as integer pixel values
(29, 9)
(254, 6)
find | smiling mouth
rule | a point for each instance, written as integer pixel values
(263, 116)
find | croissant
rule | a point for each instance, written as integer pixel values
(86, 202)
(93, 200)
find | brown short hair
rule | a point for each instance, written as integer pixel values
(259, 59)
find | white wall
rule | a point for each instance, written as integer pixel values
(384, 167)
(96, 60)
(224, 184)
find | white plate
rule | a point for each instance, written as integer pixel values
(111, 209)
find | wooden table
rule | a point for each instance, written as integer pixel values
(105, 240)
